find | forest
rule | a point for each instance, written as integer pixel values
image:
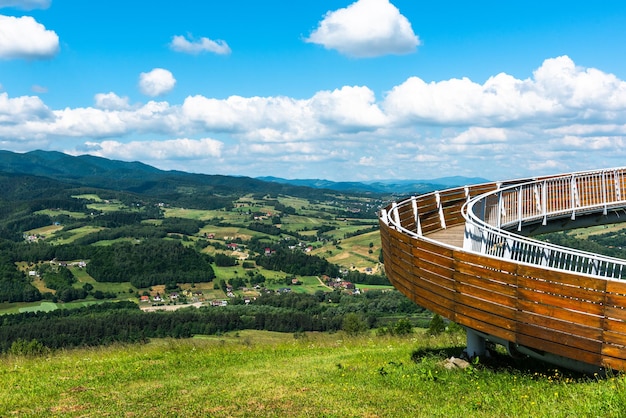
(110, 322)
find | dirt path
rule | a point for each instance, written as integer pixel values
(169, 307)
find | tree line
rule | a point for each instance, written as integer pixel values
(111, 322)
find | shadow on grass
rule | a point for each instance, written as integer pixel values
(499, 362)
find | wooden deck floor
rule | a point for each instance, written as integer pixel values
(451, 236)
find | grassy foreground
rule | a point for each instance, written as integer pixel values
(265, 374)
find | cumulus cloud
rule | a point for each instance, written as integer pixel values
(14, 111)
(190, 46)
(559, 90)
(26, 4)
(156, 82)
(366, 28)
(111, 101)
(172, 149)
(24, 37)
(562, 116)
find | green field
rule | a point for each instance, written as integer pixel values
(264, 374)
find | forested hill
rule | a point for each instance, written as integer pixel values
(136, 177)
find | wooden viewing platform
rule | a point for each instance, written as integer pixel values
(452, 236)
(458, 253)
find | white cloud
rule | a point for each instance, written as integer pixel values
(172, 149)
(181, 44)
(111, 101)
(24, 37)
(156, 82)
(26, 4)
(348, 108)
(22, 109)
(562, 116)
(283, 119)
(39, 89)
(366, 28)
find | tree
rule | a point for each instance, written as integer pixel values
(353, 324)
(437, 325)
(402, 327)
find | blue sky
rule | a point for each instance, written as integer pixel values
(340, 90)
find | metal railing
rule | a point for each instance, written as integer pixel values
(542, 200)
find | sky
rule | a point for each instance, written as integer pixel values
(340, 90)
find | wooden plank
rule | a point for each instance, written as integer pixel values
(617, 314)
(486, 294)
(559, 301)
(485, 273)
(562, 277)
(614, 363)
(433, 301)
(485, 327)
(561, 289)
(496, 313)
(551, 311)
(425, 265)
(486, 283)
(559, 338)
(427, 279)
(433, 258)
(560, 349)
(616, 287)
(615, 338)
(615, 300)
(570, 328)
(434, 248)
(486, 262)
(457, 194)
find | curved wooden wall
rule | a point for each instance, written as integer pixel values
(570, 315)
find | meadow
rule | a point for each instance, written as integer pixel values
(266, 374)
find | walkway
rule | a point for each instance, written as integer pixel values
(563, 306)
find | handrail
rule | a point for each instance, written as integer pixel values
(488, 214)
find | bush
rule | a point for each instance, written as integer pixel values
(353, 324)
(436, 326)
(22, 347)
(402, 327)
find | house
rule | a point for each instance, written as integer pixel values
(144, 299)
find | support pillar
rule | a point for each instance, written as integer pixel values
(476, 344)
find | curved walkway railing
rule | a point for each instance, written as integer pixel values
(488, 216)
(536, 298)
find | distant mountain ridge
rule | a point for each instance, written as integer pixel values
(137, 177)
(382, 186)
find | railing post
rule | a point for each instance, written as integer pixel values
(442, 218)
(575, 200)
(418, 225)
(544, 205)
(520, 202)
(604, 198)
(501, 210)
(383, 216)
(396, 214)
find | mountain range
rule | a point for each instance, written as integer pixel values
(92, 171)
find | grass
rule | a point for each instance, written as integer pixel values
(265, 374)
